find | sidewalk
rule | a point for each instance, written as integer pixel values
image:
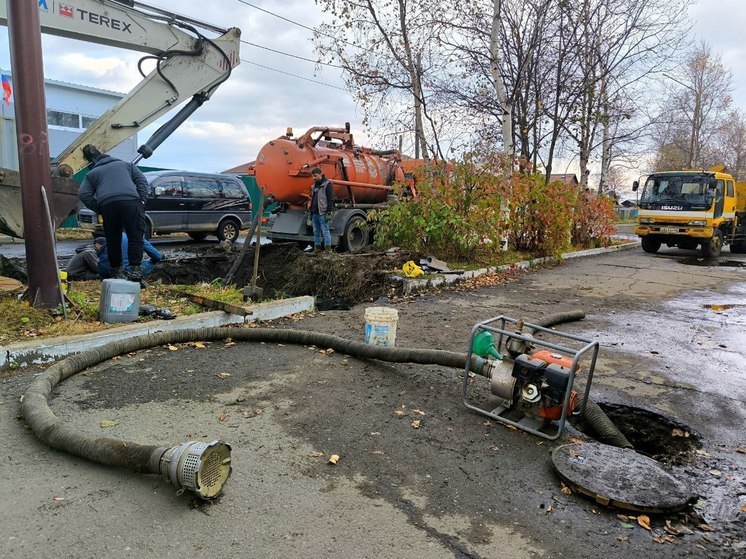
(411, 285)
(39, 352)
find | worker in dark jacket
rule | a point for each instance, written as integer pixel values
(322, 205)
(104, 259)
(83, 265)
(117, 190)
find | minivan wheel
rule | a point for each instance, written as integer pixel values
(198, 236)
(228, 230)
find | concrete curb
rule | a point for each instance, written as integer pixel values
(43, 351)
(412, 285)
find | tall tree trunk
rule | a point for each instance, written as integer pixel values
(502, 97)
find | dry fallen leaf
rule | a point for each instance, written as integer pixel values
(333, 459)
(222, 375)
(716, 473)
(622, 538)
(229, 344)
(400, 413)
(109, 422)
(644, 521)
(419, 412)
(173, 348)
(511, 427)
(316, 454)
(702, 452)
(377, 452)
(741, 450)
(328, 351)
(199, 345)
(487, 423)
(664, 539)
(223, 416)
(549, 509)
(575, 440)
(742, 509)
(566, 489)
(705, 528)
(416, 424)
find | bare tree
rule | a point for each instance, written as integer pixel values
(386, 50)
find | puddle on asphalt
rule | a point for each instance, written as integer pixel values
(712, 262)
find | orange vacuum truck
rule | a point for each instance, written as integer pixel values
(362, 179)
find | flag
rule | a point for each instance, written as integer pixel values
(7, 89)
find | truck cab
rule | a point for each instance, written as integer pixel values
(691, 209)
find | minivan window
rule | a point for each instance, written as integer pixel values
(168, 187)
(232, 190)
(201, 187)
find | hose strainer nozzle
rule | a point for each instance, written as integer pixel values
(202, 468)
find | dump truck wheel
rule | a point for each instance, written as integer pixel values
(713, 247)
(650, 245)
(356, 235)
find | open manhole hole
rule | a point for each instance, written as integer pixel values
(652, 434)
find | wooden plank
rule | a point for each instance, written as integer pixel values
(219, 305)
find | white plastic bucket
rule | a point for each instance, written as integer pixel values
(380, 326)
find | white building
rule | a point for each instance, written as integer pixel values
(71, 109)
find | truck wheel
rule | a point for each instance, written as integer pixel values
(713, 247)
(650, 245)
(355, 237)
(228, 230)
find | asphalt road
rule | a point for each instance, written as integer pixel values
(672, 330)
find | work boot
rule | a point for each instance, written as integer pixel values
(328, 249)
(118, 273)
(136, 276)
(316, 249)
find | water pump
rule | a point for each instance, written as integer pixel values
(532, 378)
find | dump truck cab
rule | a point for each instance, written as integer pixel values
(691, 209)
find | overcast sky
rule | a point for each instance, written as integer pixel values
(256, 104)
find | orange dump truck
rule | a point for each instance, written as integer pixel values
(362, 179)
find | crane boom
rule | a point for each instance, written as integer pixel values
(187, 64)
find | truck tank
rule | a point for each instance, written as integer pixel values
(361, 176)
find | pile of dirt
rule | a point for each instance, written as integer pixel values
(338, 281)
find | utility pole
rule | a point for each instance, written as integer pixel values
(33, 151)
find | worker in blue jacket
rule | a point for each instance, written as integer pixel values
(154, 256)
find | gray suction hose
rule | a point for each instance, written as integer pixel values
(203, 468)
(199, 467)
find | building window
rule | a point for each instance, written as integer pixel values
(60, 118)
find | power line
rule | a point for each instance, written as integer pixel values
(292, 75)
(298, 24)
(293, 55)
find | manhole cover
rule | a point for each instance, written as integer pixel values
(620, 478)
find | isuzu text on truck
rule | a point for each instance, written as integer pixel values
(690, 209)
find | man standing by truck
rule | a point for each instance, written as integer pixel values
(118, 191)
(322, 205)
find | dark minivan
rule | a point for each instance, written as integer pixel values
(198, 204)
